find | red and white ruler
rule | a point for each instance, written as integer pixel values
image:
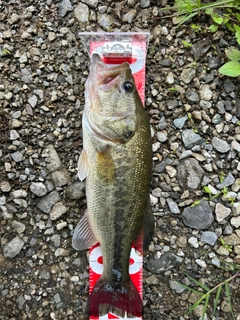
(116, 48)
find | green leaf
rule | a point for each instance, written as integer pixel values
(209, 11)
(236, 27)
(230, 27)
(238, 16)
(231, 69)
(233, 54)
(213, 28)
(207, 189)
(217, 18)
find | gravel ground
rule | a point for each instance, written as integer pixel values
(194, 114)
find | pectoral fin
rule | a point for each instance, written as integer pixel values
(83, 167)
(83, 237)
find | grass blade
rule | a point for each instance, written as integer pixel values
(191, 289)
(229, 298)
(198, 283)
(205, 306)
(216, 300)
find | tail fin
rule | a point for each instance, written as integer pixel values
(117, 298)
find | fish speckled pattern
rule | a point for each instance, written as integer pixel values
(116, 161)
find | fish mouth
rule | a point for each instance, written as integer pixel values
(108, 77)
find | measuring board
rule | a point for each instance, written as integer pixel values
(116, 48)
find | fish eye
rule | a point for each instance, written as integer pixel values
(128, 86)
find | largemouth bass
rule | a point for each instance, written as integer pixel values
(116, 161)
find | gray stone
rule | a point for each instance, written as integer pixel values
(145, 3)
(179, 123)
(60, 252)
(81, 12)
(162, 124)
(190, 173)
(214, 63)
(232, 240)
(166, 262)
(130, 16)
(198, 217)
(2, 201)
(64, 7)
(56, 239)
(235, 145)
(19, 227)
(188, 75)
(60, 177)
(190, 139)
(228, 85)
(193, 241)
(26, 76)
(192, 96)
(23, 58)
(105, 21)
(13, 248)
(19, 193)
(54, 161)
(220, 145)
(152, 280)
(91, 3)
(52, 36)
(205, 93)
(57, 211)
(209, 237)
(46, 203)
(171, 104)
(15, 123)
(76, 190)
(45, 274)
(5, 186)
(165, 62)
(170, 78)
(160, 167)
(228, 181)
(221, 212)
(14, 135)
(201, 47)
(15, 18)
(17, 156)
(173, 207)
(38, 188)
(216, 119)
(235, 222)
(186, 154)
(20, 300)
(176, 286)
(161, 137)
